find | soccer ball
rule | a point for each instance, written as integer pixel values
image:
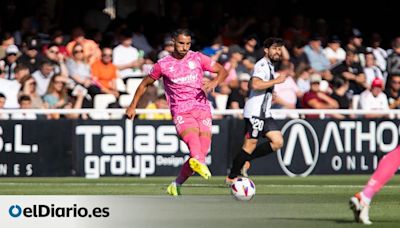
(243, 189)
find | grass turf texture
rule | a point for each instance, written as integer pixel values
(315, 201)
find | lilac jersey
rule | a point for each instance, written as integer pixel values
(183, 80)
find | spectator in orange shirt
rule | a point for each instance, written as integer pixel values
(105, 72)
(91, 50)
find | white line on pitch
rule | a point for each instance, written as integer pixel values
(194, 185)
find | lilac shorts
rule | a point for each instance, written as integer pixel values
(199, 119)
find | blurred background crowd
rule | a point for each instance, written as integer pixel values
(93, 54)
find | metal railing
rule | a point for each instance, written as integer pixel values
(322, 113)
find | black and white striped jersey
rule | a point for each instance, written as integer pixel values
(260, 101)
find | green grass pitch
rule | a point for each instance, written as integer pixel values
(314, 201)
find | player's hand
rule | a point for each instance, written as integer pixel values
(130, 113)
(209, 86)
(281, 78)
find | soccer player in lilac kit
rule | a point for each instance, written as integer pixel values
(182, 74)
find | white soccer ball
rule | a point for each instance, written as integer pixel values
(243, 189)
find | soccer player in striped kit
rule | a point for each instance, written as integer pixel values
(257, 114)
(182, 73)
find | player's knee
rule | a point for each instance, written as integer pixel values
(277, 144)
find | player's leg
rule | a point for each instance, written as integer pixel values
(262, 150)
(274, 143)
(274, 139)
(187, 129)
(205, 141)
(387, 167)
(252, 132)
(204, 122)
(241, 158)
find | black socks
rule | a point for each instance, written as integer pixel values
(238, 163)
(262, 150)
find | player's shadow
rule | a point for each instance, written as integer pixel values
(338, 221)
(207, 186)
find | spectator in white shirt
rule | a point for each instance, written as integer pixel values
(374, 99)
(43, 77)
(371, 70)
(334, 52)
(127, 58)
(25, 102)
(380, 54)
(3, 116)
(11, 88)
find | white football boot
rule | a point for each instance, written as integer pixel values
(360, 209)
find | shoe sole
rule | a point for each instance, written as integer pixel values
(196, 166)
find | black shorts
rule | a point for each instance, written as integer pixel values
(257, 127)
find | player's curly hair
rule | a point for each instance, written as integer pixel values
(273, 41)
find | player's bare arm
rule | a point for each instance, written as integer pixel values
(131, 110)
(259, 84)
(221, 75)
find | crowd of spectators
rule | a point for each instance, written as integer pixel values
(67, 70)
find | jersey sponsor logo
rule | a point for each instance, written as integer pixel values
(187, 79)
(299, 155)
(192, 65)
